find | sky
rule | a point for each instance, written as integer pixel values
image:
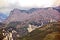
(7, 5)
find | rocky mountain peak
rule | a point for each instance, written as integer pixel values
(33, 14)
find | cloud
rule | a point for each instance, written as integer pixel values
(3, 3)
(37, 3)
(29, 3)
(32, 3)
(7, 5)
(57, 3)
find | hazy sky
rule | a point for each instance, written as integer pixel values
(29, 3)
(7, 5)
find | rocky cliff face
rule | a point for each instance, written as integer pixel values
(49, 31)
(34, 14)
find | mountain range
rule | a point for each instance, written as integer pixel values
(49, 31)
(34, 14)
(19, 21)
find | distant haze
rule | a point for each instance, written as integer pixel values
(29, 3)
(8, 5)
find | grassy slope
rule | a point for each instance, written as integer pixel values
(46, 32)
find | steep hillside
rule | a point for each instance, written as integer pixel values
(57, 8)
(34, 14)
(50, 31)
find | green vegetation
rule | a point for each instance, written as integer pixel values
(50, 31)
(53, 36)
(13, 24)
(1, 34)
